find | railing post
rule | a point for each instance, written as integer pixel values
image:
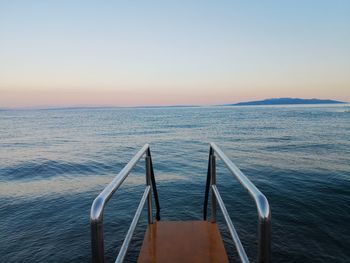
(148, 182)
(154, 187)
(97, 242)
(207, 186)
(264, 232)
(213, 182)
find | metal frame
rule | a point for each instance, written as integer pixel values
(97, 208)
(263, 207)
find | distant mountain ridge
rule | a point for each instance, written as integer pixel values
(285, 101)
(272, 101)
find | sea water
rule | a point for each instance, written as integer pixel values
(53, 163)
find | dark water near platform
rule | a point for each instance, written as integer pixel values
(54, 162)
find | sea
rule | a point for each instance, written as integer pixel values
(54, 162)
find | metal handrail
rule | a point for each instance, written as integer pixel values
(233, 232)
(263, 207)
(125, 245)
(97, 208)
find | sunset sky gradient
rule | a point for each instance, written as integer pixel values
(133, 53)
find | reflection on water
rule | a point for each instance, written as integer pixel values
(64, 185)
(54, 162)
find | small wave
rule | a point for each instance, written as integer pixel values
(38, 169)
(311, 147)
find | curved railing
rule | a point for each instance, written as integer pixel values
(97, 208)
(263, 207)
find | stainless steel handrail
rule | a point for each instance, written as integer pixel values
(241, 252)
(97, 208)
(263, 207)
(125, 245)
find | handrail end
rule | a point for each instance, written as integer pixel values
(212, 144)
(263, 207)
(97, 208)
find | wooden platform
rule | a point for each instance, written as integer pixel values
(182, 241)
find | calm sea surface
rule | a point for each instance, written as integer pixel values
(53, 163)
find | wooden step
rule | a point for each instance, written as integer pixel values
(182, 241)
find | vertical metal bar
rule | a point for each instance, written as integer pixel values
(264, 230)
(207, 186)
(148, 182)
(97, 242)
(213, 182)
(154, 187)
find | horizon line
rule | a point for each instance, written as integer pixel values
(162, 106)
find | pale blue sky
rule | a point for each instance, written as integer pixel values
(59, 53)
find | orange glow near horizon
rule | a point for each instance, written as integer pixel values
(21, 98)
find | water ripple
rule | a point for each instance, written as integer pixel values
(54, 163)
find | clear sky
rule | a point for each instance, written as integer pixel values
(127, 53)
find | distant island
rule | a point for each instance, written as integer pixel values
(272, 101)
(285, 101)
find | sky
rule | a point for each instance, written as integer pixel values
(141, 53)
